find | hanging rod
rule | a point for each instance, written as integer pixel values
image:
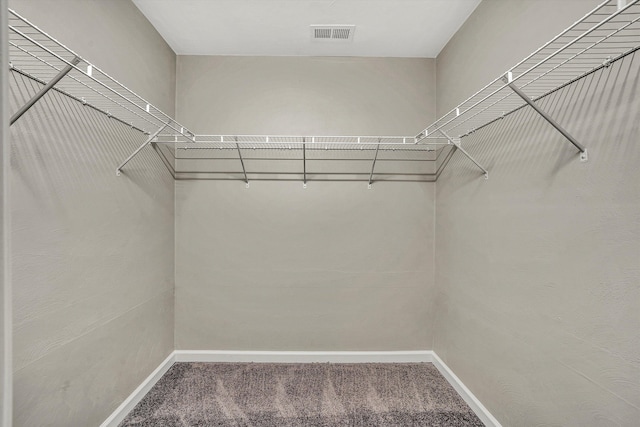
(311, 140)
(40, 57)
(554, 90)
(83, 102)
(607, 33)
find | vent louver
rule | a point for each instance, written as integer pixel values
(322, 33)
(332, 32)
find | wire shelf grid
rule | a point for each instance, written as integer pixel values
(40, 57)
(607, 33)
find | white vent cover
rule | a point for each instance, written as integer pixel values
(332, 32)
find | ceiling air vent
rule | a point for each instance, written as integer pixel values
(332, 32)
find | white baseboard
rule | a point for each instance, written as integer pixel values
(134, 398)
(471, 400)
(302, 357)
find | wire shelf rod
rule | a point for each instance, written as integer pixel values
(87, 86)
(458, 111)
(67, 49)
(553, 87)
(85, 103)
(96, 69)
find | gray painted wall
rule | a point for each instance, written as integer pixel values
(93, 254)
(277, 267)
(304, 95)
(537, 268)
(5, 283)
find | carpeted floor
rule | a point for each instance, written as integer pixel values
(299, 395)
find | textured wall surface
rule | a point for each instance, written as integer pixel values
(92, 256)
(116, 37)
(227, 95)
(92, 253)
(5, 284)
(277, 267)
(537, 269)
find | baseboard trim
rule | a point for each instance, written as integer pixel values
(301, 357)
(478, 408)
(134, 398)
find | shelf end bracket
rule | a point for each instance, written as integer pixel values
(456, 143)
(304, 163)
(373, 165)
(244, 171)
(508, 79)
(46, 88)
(147, 142)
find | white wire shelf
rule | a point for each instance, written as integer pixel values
(304, 158)
(607, 33)
(38, 56)
(314, 142)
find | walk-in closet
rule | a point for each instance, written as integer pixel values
(320, 213)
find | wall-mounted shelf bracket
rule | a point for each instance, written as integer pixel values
(45, 89)
(508, 79)
(304, 163)
(147, 142)
(373, 165)
(456, 143)
(244, 171)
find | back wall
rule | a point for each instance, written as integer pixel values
(334, 266)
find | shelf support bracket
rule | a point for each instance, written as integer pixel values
(373, 165)
(508, 79)
(244, 171)
(304, 163)
(147, 142)
(44, 90)
(456, 143)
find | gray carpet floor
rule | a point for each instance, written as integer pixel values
(299, 395)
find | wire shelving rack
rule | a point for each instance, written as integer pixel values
(40, 57)
(608, 33)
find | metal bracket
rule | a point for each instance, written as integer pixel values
(373, 165)
(147, 142)
(456, 143)
(584, 156)
(75, 61)
(244, 171)
(508, 79)
(420, 136)
(304, 164)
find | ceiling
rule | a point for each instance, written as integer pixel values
(384, 28)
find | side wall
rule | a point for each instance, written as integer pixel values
(277, 267)
(537, 268)
(5, 282)
(93, 254)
